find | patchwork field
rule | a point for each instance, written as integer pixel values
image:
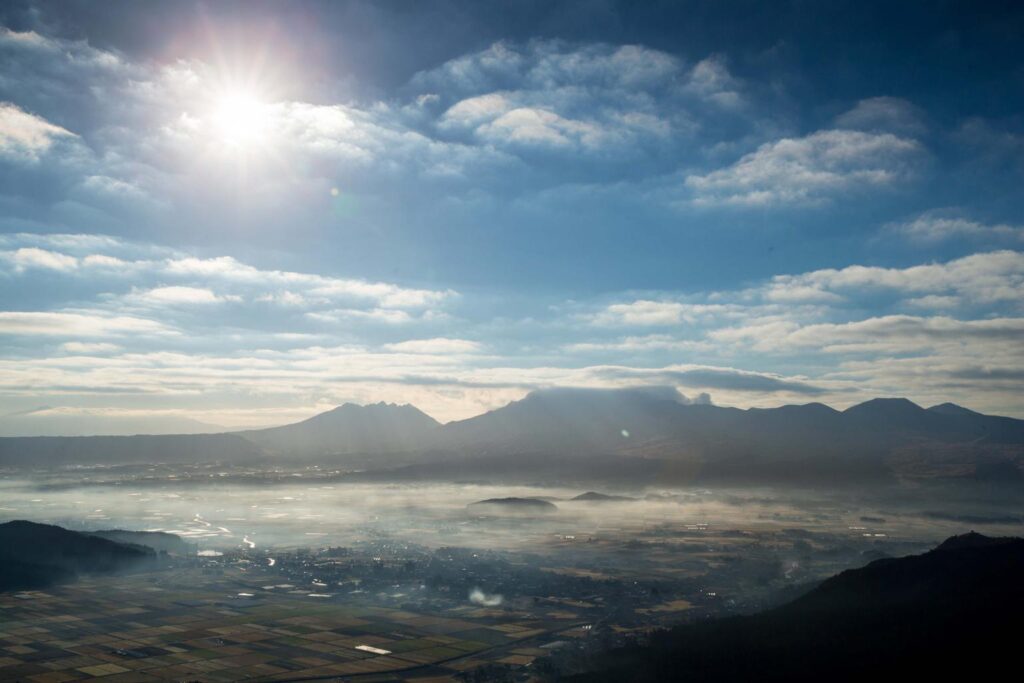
(193, 627)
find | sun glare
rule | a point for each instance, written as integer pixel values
(240, 118)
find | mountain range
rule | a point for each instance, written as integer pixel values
(625, 435)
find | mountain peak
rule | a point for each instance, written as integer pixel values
(887, 405)
(813, 408)
(380, 408)
(951, 409)
(352, 428)
(349, 405)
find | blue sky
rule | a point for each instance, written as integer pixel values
(243, 213)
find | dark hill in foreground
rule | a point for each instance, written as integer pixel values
(951, 613)
(38, 555)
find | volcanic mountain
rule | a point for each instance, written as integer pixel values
(352, 430)
(622, 436)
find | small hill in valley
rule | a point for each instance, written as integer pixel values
(38, 555)
(595, 497)
(513, 506)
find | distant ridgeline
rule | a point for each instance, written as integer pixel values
(34, 556)
(629, 436)
(953, 613)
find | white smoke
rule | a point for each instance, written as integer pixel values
(478, 597)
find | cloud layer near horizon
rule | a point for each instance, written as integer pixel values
(216, 339)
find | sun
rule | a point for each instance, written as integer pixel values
(241, 118)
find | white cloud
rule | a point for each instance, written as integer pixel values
(641, 344)
(642, 312)
(26, 39)
(438, 345)
(180, 295)
(550, 65)
(113, 263)
(531, 125)
(77, 324)
(90, 347)
(198, 278)
(114, 187)
(77, 244)
(851, 324)
(305, 287)
(936, 226)
(503, 119)
(935, 301)
(73, 52)
(474, 111)
(808, 170)
(579, 97)
(786, 291)
(27, 136)
(377, 315)
(984, 278)
(283, 298)
(879, 114)
(885, 334)
(710, 78)
(645, 312)
(34, 257)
